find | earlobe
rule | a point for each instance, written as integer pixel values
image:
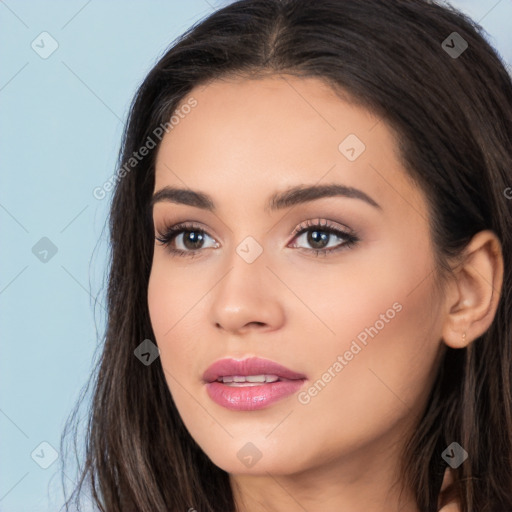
(478, 282)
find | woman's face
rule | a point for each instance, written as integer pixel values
(362, 322)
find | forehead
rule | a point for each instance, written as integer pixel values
(281, 113)
(261, 135)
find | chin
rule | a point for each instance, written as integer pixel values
(247, 458)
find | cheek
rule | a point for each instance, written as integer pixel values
(379, 366)
(174, 309)
(173, 295)
(160, 303)
(172, 305)
(384, 316)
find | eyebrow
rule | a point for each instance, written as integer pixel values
(278, 201)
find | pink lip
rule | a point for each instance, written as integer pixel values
(250, 398)
(249, 366)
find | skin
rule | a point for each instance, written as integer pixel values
(245, 140)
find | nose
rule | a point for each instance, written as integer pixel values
(248, 297)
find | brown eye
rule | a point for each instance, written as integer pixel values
(190, 243)
(319, 236)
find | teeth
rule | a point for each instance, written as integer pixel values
(254, 379)
(261, 378)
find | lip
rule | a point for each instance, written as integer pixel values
(250, 398)
(249, 366)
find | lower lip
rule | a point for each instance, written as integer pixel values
(251, 398)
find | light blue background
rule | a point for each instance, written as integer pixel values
(61, 121)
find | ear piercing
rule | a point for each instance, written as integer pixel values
(464, 337)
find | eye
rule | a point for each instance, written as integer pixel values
(191, 238)
(319, 235)
(191, 241)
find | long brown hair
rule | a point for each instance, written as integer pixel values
(453, 118)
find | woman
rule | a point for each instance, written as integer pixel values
(313, 203)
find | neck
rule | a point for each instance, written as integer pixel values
(357, 483)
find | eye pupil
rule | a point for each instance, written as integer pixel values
(314, 239)
(194, 237)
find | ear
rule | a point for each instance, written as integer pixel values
(474, 294)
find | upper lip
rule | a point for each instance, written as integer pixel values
(249, 366)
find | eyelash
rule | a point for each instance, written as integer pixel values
(170, 233)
